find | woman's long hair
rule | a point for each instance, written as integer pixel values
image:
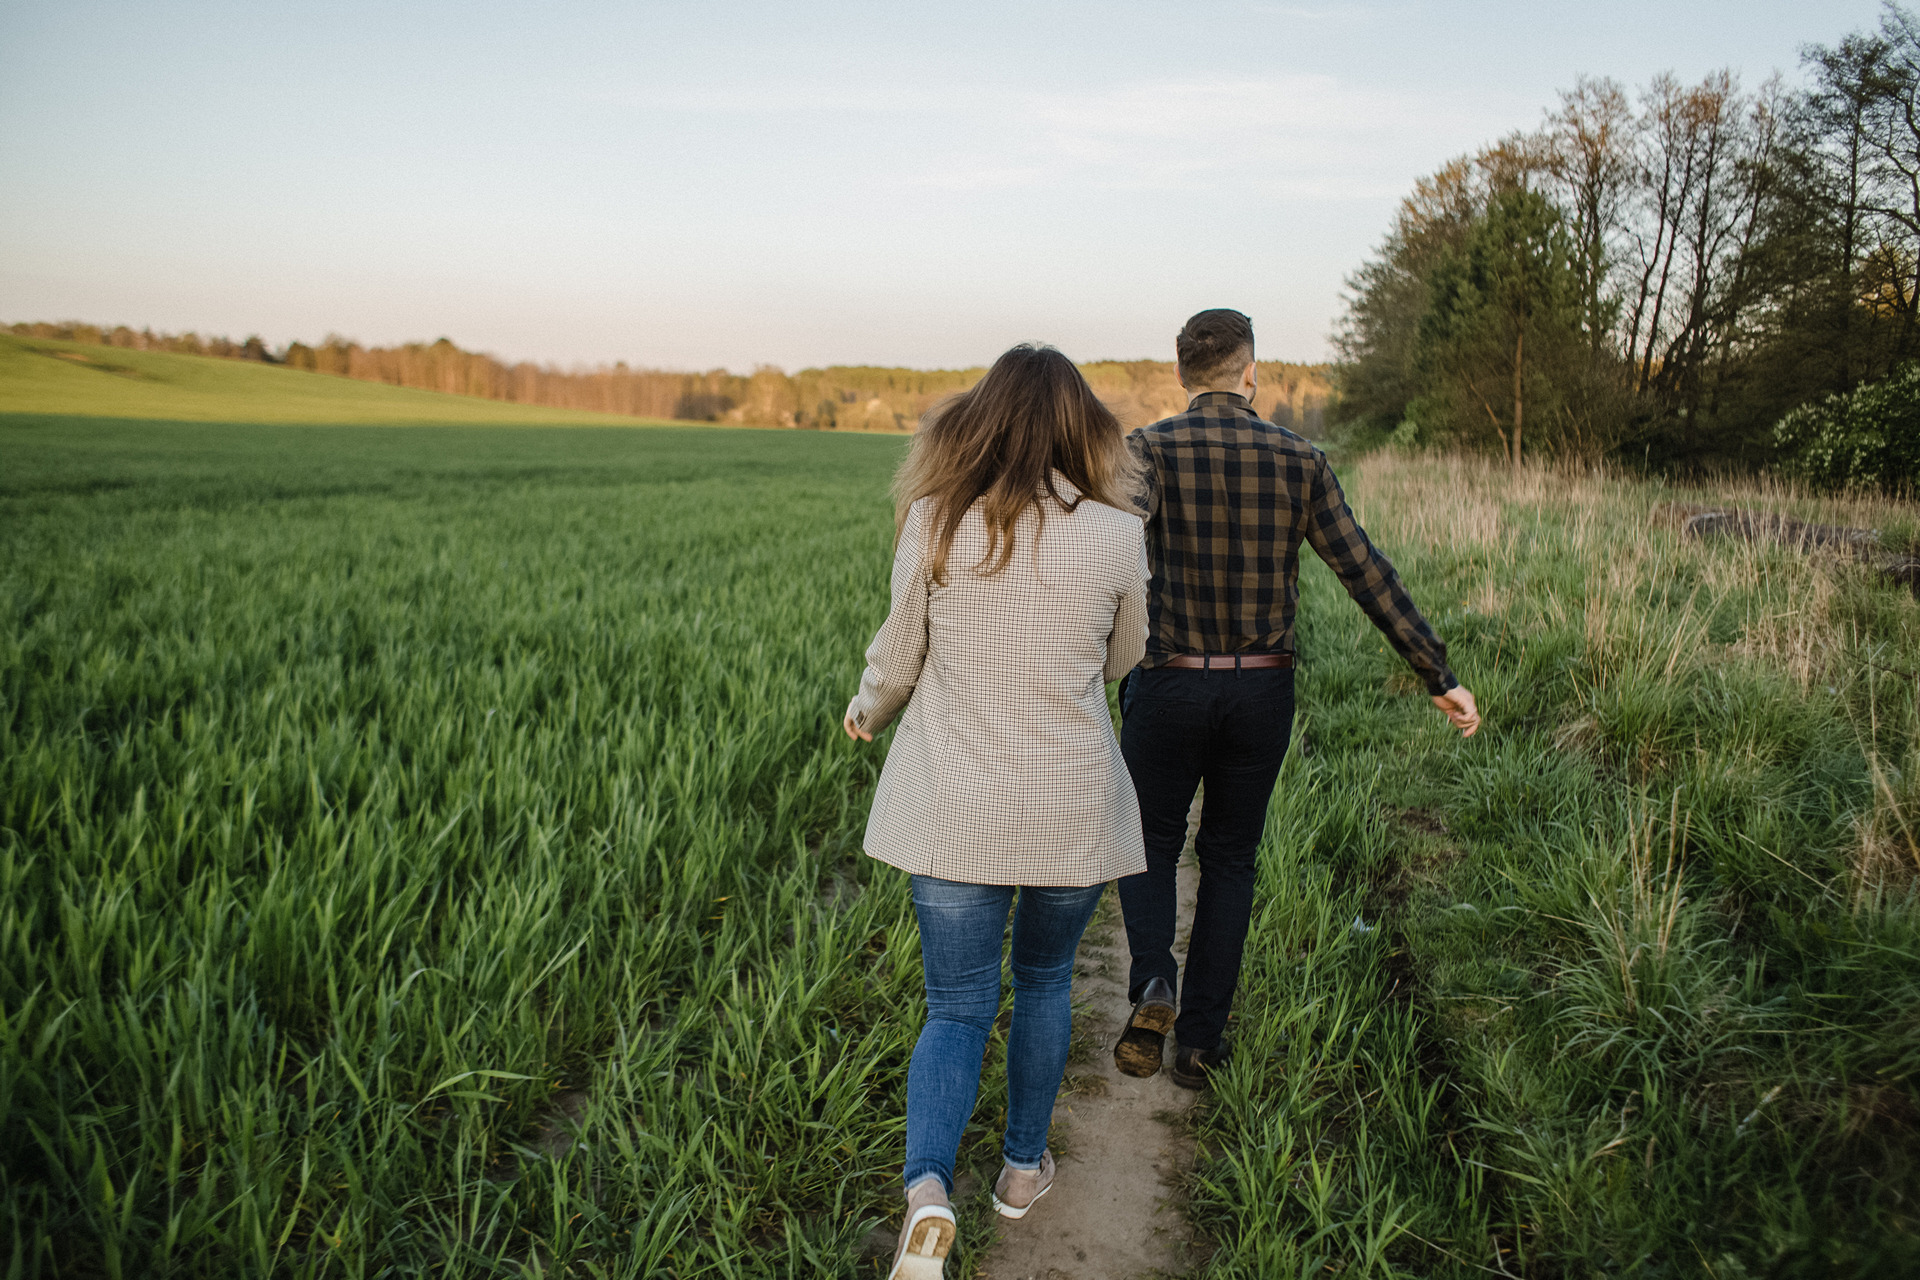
(1000, 444)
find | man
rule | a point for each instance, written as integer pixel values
(1228, 500)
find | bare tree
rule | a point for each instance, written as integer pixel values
(1890, 93)
(1589, 146)
(1703, 175)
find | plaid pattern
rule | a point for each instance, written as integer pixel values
(1228, 500)
(1005, 769)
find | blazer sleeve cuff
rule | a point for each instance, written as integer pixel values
(869, 717)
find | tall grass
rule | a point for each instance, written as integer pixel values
(434, 852)
(1634, 983)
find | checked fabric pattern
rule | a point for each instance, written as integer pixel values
(1004, 769)
(1228, 500)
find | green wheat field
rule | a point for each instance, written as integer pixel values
(429, 848)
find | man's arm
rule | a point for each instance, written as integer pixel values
(1146, 494)
(1371, 580)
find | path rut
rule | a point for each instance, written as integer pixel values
(1122, 1144)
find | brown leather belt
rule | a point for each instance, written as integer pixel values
(1228, 661)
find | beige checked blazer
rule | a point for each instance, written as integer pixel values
(1005, 769)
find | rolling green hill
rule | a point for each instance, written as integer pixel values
(45, 376)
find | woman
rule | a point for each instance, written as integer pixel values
(1019, 586)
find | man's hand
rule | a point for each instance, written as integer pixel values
(1458, 704)
(855, 731)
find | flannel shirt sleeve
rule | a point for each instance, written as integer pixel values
(1146, 497)
(899, 650)
(1128, 642)
(1371, 580)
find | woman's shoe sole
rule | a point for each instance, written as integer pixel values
(1006, 1210)
(1143, 1043)
(929, 1232)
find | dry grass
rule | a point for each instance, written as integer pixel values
(1791, 612)
(1886, 859)
(1599, 522)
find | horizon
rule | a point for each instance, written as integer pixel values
(676, 189)
(278, 352)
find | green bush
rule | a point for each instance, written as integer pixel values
(1869, 439)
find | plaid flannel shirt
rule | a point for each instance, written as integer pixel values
(1228, 500)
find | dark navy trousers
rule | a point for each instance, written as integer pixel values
(1181, 727)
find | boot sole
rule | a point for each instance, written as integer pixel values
(929, 1237)
(1143, 1043)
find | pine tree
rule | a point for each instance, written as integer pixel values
(1503, 317)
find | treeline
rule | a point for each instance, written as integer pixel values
(1661, 275)
(843, 397)
(191, 344)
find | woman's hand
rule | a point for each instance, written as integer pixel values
(854, 730)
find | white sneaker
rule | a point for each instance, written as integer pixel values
(927, 1235)
(1015, 1190)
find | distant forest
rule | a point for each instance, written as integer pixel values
(843, 397)
(1663, 275)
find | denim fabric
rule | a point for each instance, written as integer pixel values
(1230, 729)
(961, 930)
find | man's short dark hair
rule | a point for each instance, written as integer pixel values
(1214, 346)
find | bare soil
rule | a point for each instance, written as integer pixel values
(1122, 1144)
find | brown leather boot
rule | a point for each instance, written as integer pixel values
(1193, 1067)
(1138, 1052)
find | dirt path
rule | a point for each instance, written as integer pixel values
(1121, 1143)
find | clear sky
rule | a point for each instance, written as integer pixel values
(690, 185)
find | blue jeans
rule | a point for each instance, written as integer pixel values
(961, 927)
